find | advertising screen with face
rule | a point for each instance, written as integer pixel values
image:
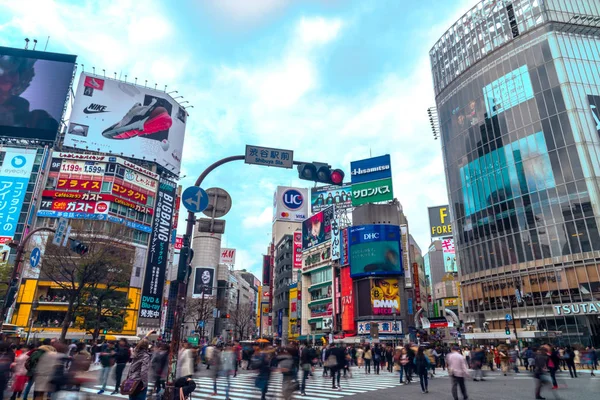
(375, 250)
(317, 229)
(385, 296)
(203, 281)
(117, 117)
(33, 92)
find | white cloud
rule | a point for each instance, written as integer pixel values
(254, 221)
(247, 11)
(318, 30)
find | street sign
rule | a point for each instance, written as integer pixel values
(269, 157)
(194, 199)
(61, 228)
(35, 257)
(219, 203)
(193, 340)
(201, 324)
(508, 317)
(67, 234)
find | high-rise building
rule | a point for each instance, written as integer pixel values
(517, 89)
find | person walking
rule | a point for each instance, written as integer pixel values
(307, 357)
(20, 377)
(457, 367)
(422, 365)
(359, 357)
(593, 359)
(46, 368)
(160, 360)
(262, 362)
(376, 358)
(429, 353)
(336, 367)
(107, 359)
(215, 363)
(539, 373)
(404, 368)
(185, 364)
(389, 359)
(122, 356)
(227, 367)
(410, 353)
(553, 366)
(477, 357)
(569, 358)
(138, 371)
(368, 357)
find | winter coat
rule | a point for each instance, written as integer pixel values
(45, 370)
(140, 366)
(185, 364)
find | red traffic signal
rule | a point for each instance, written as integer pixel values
(320, 172)
(226, 315)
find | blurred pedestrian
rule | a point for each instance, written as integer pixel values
(160, 360)
(569, 357)
(44, 378)
(307, 357)
(289, 384)
(368, 356)
(138, 371)
(539, 372)
(107, 360)
(20, 377)
(122, 356)
(457, 366)
(422, 365)
(215, 363)
(185, 363)
(227, 366)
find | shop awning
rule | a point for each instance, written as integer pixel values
(319, 285)
(320, 301)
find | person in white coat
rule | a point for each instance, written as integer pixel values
(185, 364)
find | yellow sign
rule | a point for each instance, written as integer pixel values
(451, 302)
(439, 222)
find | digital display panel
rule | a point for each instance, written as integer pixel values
(375, 250)
(501, 174)
(508, 91)
(33, 92)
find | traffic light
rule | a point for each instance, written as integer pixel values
(105, 331)
(184, 269)
(507, 330)
(320, 172)
(227, 315)
(79, 247)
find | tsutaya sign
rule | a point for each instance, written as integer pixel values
(588, 308)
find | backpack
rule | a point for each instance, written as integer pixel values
(33, 360)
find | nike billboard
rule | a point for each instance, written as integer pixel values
(112, 116)
(33, 92)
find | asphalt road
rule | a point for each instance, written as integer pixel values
(386, 386)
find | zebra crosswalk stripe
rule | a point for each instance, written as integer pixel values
(318, 387)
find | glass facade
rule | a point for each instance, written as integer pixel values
(517, 89)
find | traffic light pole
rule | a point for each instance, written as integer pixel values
(182, 285)
(16, 273)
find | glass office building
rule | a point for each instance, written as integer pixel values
(517, 87)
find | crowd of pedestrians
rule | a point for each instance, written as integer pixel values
(52, 366)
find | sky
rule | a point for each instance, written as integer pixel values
(332, 80)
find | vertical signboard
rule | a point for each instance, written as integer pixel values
(405, 261)
(14, 178)
(335, 240)
(440, 225)
(347, 300)
(449, 255)
(417, 285)
(344, 257)
(158, 253)
(266, 279)
(296, 255)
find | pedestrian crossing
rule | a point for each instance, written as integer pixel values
(318, 387)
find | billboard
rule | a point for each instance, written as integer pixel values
(317, 229)
(227, 256)
(439, 222)
(204, 281)
(158, 253)
(33, 92)
(336, 243)
(385, 296)
(325, 196)
(371, 169)
(344, 257)
(290, 204)
(508, 91)
(449, 255)
(266, 278)
(372, 192)
(116, 117)
(347, 300)
(375, 250)
(14, 178)
(405, 261)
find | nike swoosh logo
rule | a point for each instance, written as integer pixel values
(88, 111)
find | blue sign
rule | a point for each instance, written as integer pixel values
(280, 322)
(201, 324)
(98, 217)
(375, 250)
(293, 199)
(508, 317)
(14, 178)
(35, 257)
(371, 169)
(410, 306)
(195, 199)
(508, 91)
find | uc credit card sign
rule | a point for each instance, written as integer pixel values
(371, 169)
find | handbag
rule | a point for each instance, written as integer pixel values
(131, 387)
(331, 361)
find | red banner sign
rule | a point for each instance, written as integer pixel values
(56, 194)
(81, 206)
(347, 301)
(131, 194)
(416, 284)
(79, 184)
(297, 250)
(178, 242)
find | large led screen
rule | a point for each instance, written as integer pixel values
(317, 229)
(33, 92)
(508, 91)
(522, 166)
(375, 250)
(116, 117)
